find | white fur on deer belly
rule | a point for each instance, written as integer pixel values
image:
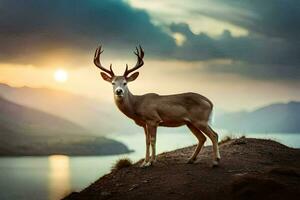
(186, 119)
(172, 123)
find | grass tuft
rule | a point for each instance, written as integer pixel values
(121, 163)
(228, 138)
(225, 139)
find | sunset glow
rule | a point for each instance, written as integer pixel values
(61, 75)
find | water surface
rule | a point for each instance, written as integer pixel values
(52, 177)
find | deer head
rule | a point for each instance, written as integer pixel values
(119, 83)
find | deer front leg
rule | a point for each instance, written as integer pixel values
(151, 129)
(147, 156)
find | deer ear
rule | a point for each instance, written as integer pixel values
(132, 77)
(106, 77)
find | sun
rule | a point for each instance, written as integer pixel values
(61, 75)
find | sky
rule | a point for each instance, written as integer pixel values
(240, 54)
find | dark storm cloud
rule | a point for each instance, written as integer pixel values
(271, 50)
(258, 71)
(254, 56)
(275, 18)
(251, 48)
(31, 28)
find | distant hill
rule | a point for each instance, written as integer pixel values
(89, 113)
(26, 131)
(280, 118)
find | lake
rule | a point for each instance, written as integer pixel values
(53, 177)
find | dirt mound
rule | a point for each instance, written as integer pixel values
(249, 169)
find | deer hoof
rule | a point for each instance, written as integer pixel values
(148, 164)
(145, 164)
(216, 163)
(191, 161)
(152, 161)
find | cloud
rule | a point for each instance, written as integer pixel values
(274, 18)
(269, 50)
(256, 71)
(31, 30)
(252, 55)
(34, 32)
(251, 48)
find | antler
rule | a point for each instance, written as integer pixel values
(140, 55)
(98, 63)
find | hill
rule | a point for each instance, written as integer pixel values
(26, 131)
(89, 113)
(249, 169)
(280, 118)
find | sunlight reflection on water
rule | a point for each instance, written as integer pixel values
(59, 176)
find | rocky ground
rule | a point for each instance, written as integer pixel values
(249, 169)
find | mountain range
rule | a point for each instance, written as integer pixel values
(27, 131)
(274, 118)
(97, 116)
(102, 118)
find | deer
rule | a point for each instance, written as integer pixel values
(152, 110)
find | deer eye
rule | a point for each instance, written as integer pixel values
(113, 83)
(124, 83)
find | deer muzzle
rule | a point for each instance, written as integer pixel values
(119, 92)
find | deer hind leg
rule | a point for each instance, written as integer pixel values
(147, 156)
(216, 147)
(201, 140)
(213, 136)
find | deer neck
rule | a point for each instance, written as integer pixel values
(126, 104)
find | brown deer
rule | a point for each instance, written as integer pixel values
(152, 110)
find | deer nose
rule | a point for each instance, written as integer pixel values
(119, 91)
